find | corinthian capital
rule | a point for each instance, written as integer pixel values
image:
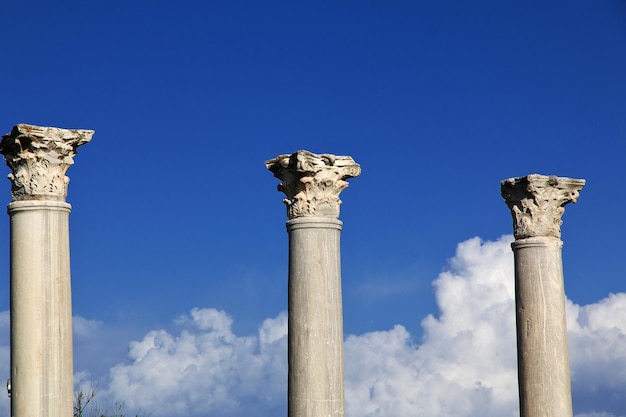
(537, 203)
(312, 183)
(39, 158)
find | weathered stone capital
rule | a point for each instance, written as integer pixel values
(537, 203)
(39, 158)
(312, 183)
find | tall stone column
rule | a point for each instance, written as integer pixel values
(312, 184)
(537, 204)
(41, 305)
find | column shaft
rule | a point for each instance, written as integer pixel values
(542, 351)
(41, 302)
(41, 310)
(315, 319)
(537, 203)
(312, 184)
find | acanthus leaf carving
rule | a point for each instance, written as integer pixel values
(537, 203)
(312, 183)
(39, 157)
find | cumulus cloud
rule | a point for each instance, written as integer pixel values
(205, 369)
(466, 362)
(597, 341)
(593, 414)
(98, 346)
(464, 365)
(5, 369)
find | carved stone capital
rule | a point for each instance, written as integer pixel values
(39, 158)
(537, 203)
(312, 183)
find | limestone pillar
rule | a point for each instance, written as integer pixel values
(312, 184)
(537, 204)
(41, 309)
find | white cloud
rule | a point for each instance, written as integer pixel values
(592, 414)
(98, 346)
(205, 369)
(597, 341)
(464, 366)
(84, 328)
(5, 368)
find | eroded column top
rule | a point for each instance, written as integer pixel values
(312, 183)
(537, 203)
(39, 158)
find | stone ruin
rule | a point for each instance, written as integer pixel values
(41, 382)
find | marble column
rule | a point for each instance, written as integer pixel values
(312, 184)
(41, 305)
(537, 204)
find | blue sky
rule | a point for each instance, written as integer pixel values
(437, 101)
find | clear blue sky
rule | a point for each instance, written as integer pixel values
(173, 208)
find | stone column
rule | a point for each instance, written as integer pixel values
(537, 204)
(41, 305)
(312, 184)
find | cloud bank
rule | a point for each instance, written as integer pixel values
(466, 363)
(464, 366)
(205, 369)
